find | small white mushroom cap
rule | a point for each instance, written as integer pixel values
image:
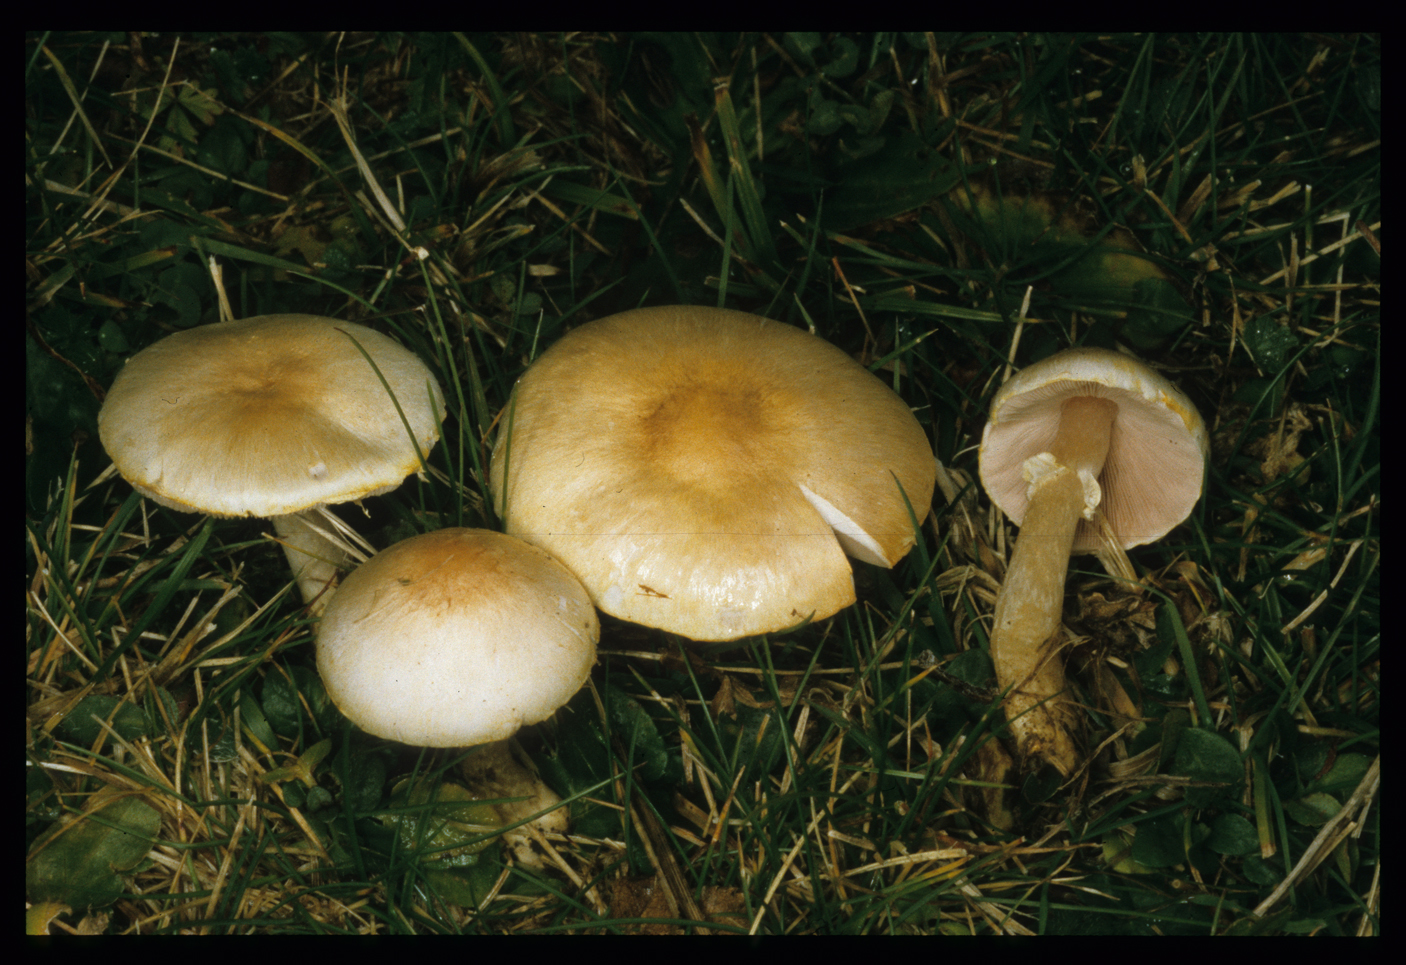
(1156, 457)
(455, 638)
(705, 471)
(268, 416)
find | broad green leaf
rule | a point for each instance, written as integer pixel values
(445, 826)
(1206, 756)
(1233, 834)
(79, 864)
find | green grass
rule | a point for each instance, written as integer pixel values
(940, 206)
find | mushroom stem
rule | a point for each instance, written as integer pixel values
(314, 558)
(495, 770)
(1063, 488)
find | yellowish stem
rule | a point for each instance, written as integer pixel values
(314, 559)
(499, 770)
(1028, 609)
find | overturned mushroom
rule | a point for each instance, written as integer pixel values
(1084, 432)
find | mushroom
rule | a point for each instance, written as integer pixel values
(1082, 433)
(272, 416)
(458, 638)
(705, 471)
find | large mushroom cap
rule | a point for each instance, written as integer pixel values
(455, 638)
(268, 416)
(705, 471)
(1156, 456)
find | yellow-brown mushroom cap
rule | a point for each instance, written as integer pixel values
(455, 638)
(705, 471)
(268, 416)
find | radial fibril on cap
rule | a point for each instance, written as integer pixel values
(268, 416)
(692, 466)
